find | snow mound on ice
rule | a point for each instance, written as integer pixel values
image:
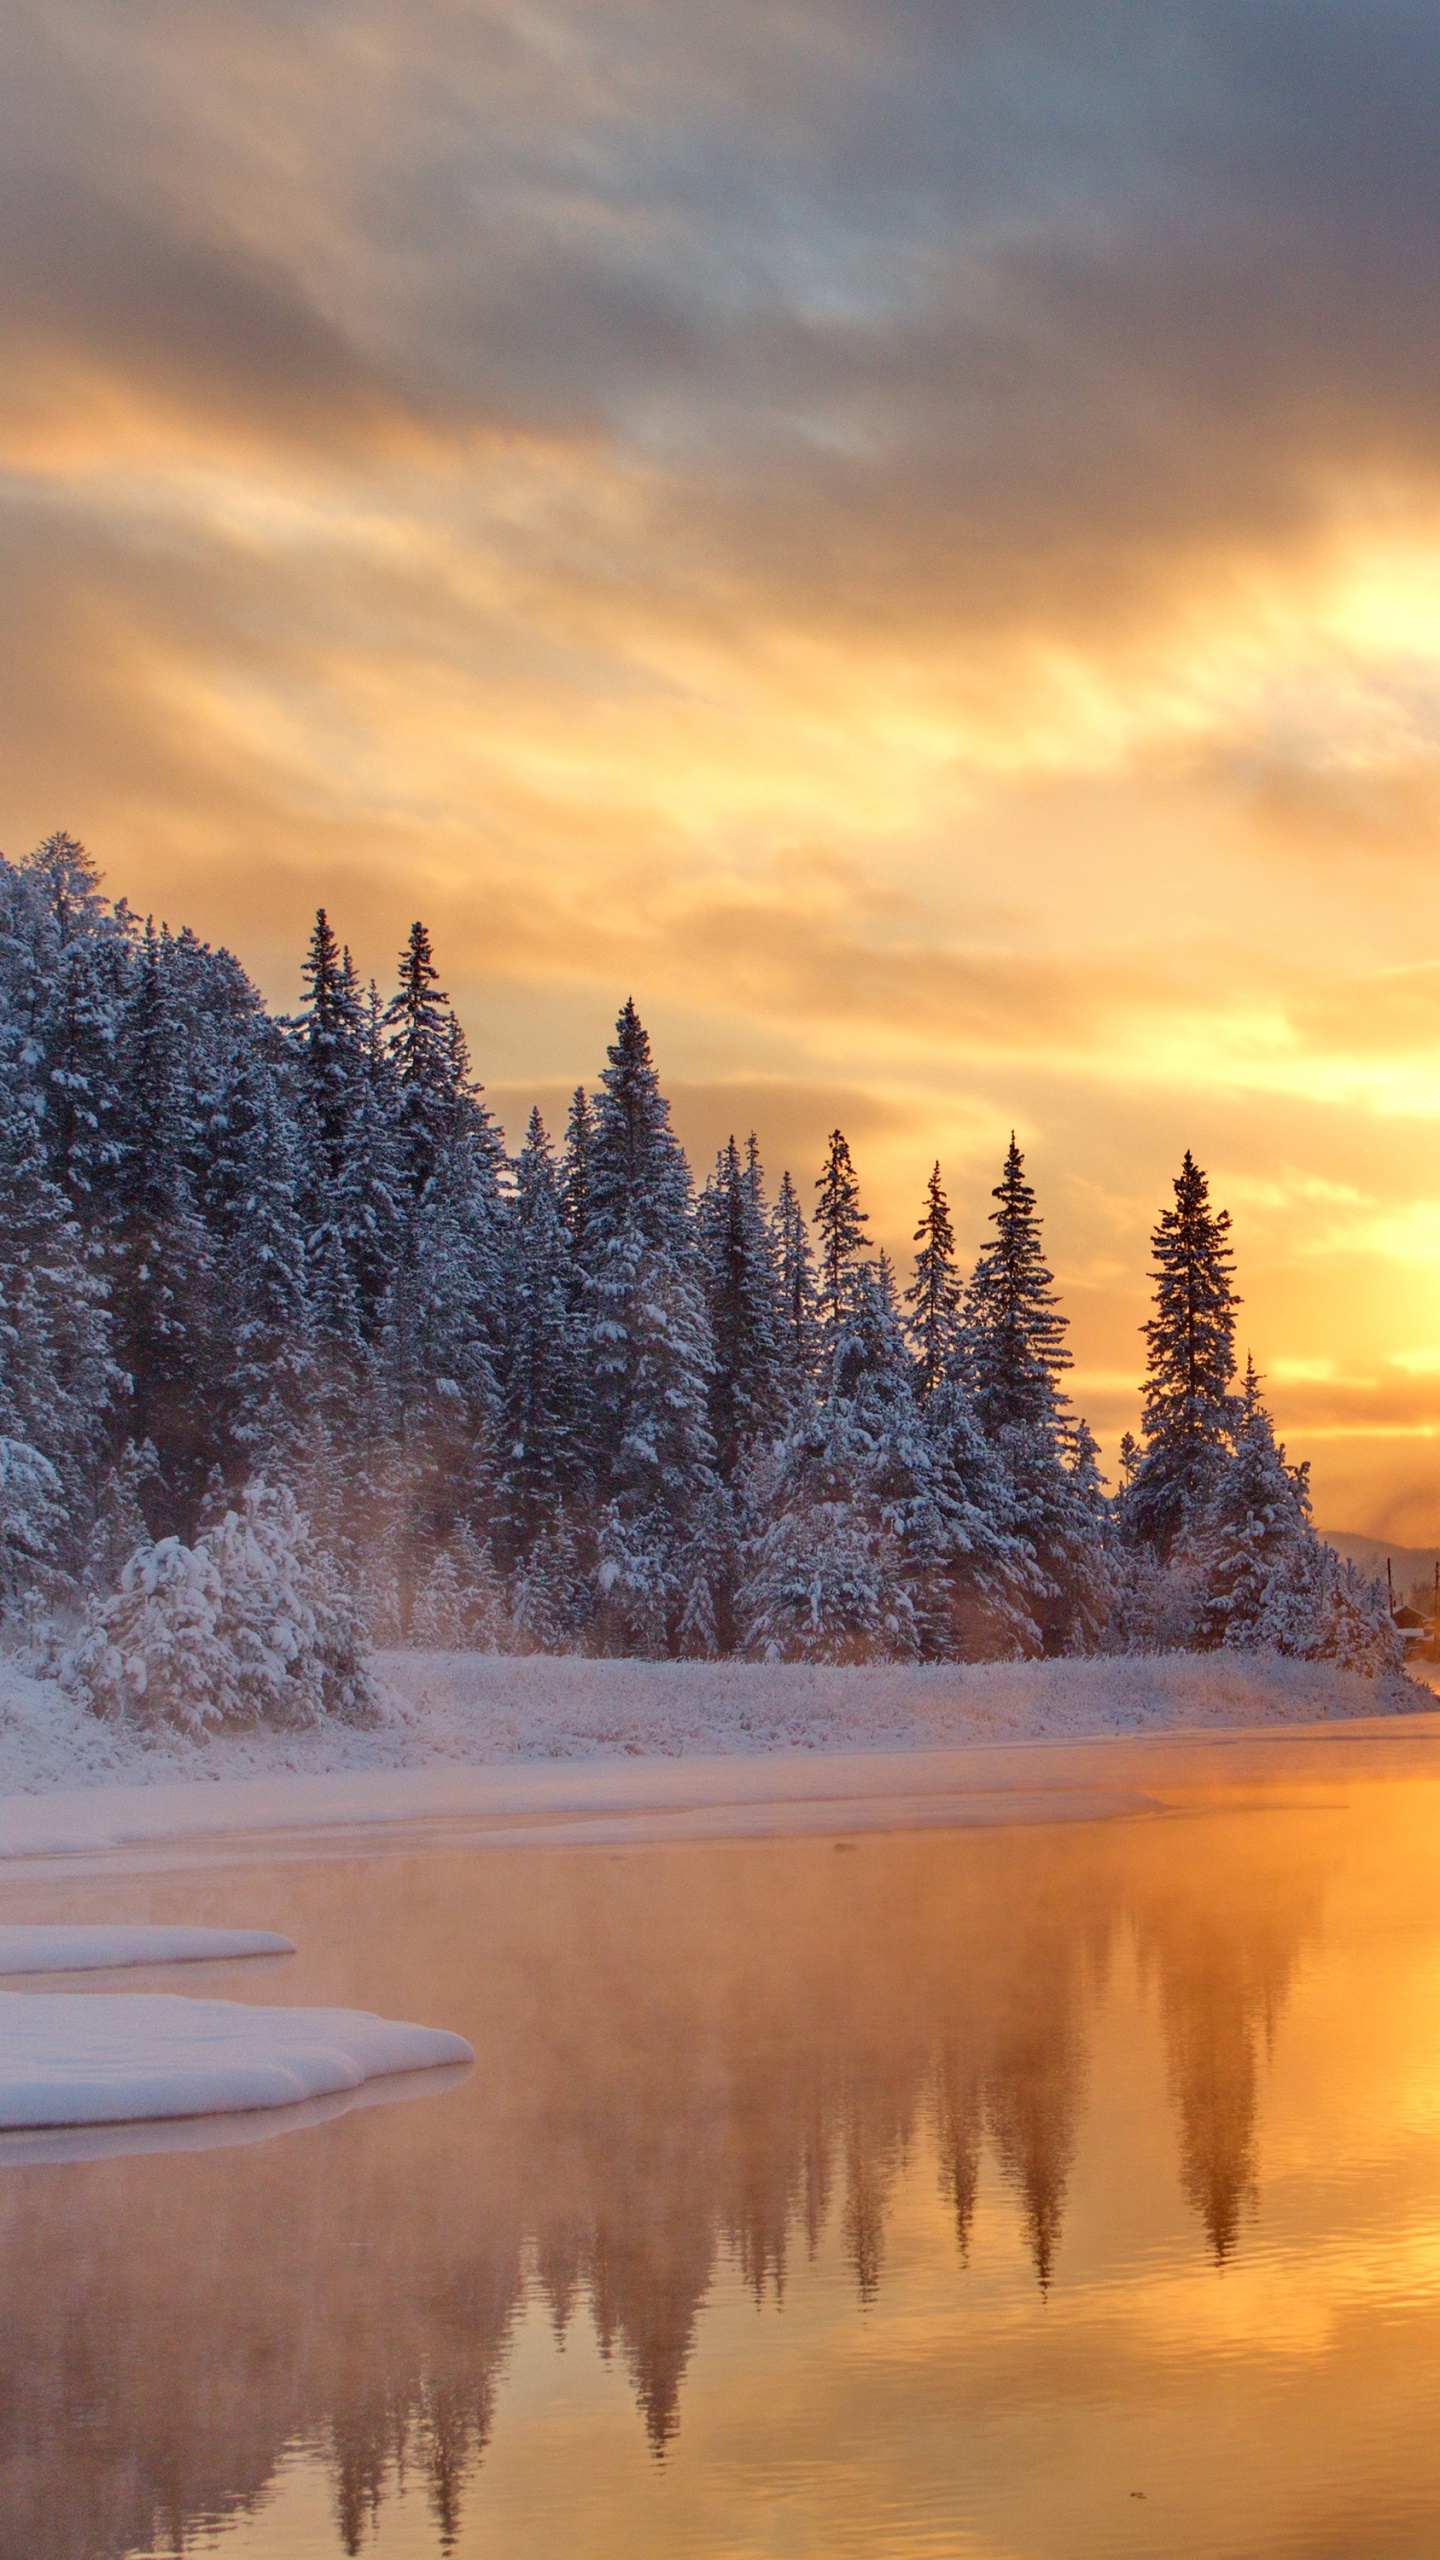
(113, 2057)
(27, 1947)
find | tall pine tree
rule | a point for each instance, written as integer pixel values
(650, 1355)
(737, 1254)
(934, 1295)
(841, 1224)
(1189, 1410)
(1014, 1331)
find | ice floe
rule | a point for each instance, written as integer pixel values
(114, 2057)
(37, 1947)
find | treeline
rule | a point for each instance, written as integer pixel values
(278, 1313)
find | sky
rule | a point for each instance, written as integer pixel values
(903, 533)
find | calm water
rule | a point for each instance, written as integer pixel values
(1055, 2191)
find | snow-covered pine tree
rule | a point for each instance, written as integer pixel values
(650, 1353)
(1252, 1546)
(417, 1022)
(795, 1268)
(437, 1623)
(551, 1595)
(935, 1293)
(1348, 1621)
(982, 1603)
(1014, 1355)
(354, 1209)
(575, 1162)
(1261, 1576)
(1015, 1346)
(65, 957)
(349, 1173)
(748, 1381)
(840, 1222)
(842, 1545)
(1189, 1410)
(541, 1436)
(248, 1191)
(159, 1255)
(247, 1626)
(447, 1311)
(57, 1379)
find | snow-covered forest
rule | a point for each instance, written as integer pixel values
(294, 1359)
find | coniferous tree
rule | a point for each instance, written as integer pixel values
(541, 1434)
(550, 1407)
(935, 1292)
(795, 1270)
(650, 1354)
(249, 1199)
(348, 1169)
(418, 1024)
(1014, 1332)
(446, 1317)
(159, 1256)
(1252, 1547)
(57, 1379)
(841, 1223)
(575, 1168)
(1015, 1354)
(742, 1289)
(1189, 1410)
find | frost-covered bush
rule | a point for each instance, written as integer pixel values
(248, 1626)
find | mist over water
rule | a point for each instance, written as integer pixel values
(1053, 2190)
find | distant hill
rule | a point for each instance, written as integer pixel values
(1408, 1565)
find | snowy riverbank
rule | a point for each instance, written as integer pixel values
(474, 1710)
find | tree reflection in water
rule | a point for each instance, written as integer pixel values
(684, 2053)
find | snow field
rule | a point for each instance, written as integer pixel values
(473, 1709)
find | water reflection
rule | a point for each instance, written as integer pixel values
(685, 2056)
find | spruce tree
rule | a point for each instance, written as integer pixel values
(650, 1356)
(1014, 1353)
(1189, 1410)
(350, 1175)
(1253, 1547)
(1014, 1332)
(934, 1294)
(575, 1168)
(417, 1022)
(795, 1271)
(737, 1253)
(841, 1223)
(540, 1438)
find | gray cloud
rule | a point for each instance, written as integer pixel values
(895, 309)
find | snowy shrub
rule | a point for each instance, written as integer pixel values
(248, 1626)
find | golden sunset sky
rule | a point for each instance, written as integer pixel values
(904, 533)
